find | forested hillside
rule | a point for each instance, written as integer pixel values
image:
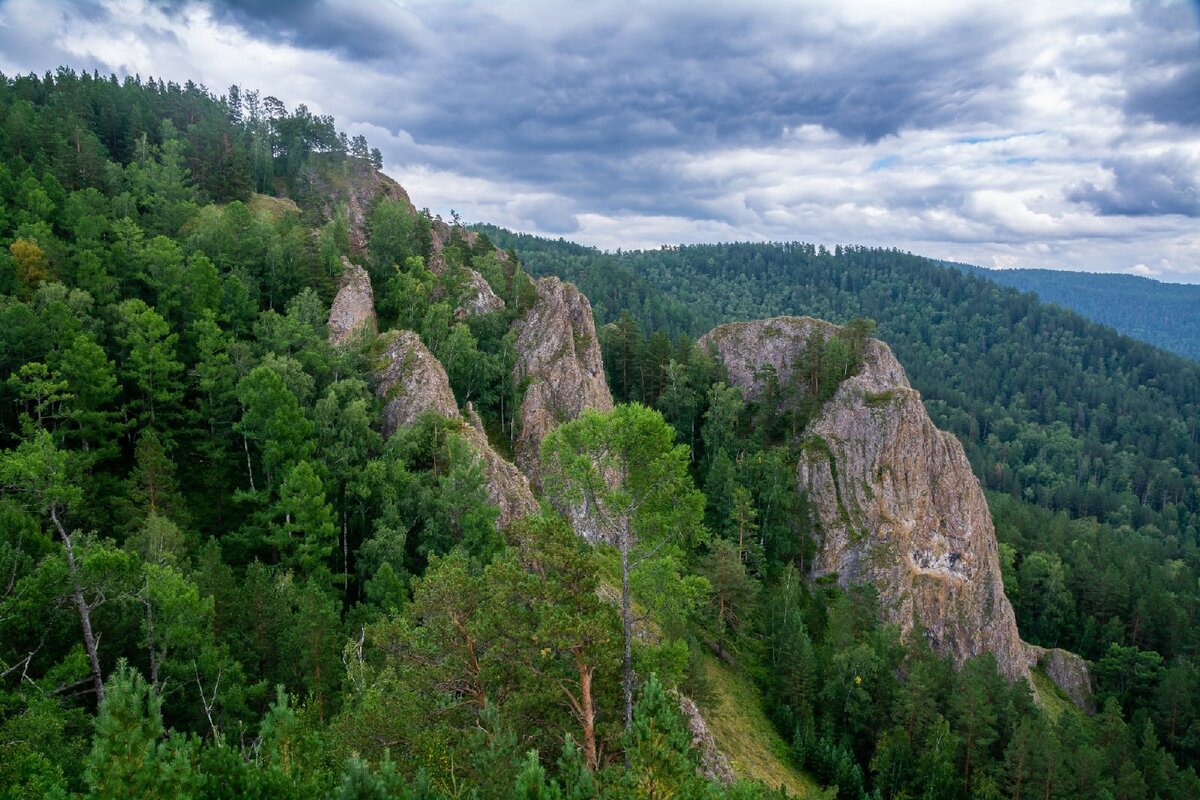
(1166, 315)
(240, 560)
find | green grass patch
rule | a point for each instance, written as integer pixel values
(273, 208)
(879, 399)
(756, 751)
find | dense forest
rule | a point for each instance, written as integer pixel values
(219, 579)
(1166, 315)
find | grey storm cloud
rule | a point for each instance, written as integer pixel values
(357, 31)
(1168, 184)
(667, 75)
(1164, 71)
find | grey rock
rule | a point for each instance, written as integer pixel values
(410, 381)
(558, 358)
(353, 309)
(896, 502)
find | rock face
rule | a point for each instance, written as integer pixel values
(356, 186)
(746, 347)
(353, 308)
(507, 486)
(478, 297)
(897, 504)
(1069, 673)
(558, 359)
(714, 765)
(410, 381)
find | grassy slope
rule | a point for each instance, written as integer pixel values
(733, 712)
(1050, 697)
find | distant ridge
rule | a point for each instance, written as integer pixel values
(1166, 315)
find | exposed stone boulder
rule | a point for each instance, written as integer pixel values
(410, 381)
(353, 308)
(558, 360)
(478, 297)
(745, 348)
(895, 500)
(900, 508)
(1069, 673)
(507, 486)
(714, 765)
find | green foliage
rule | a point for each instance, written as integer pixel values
(658, 748)
(130, 752)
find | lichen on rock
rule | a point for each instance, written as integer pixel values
(477, 296)
(413, 382)
(1069, 672)
(714, 765)
(410, 381)
(352, 187)
(507, 486)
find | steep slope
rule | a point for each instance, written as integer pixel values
(897, 504)
(742, 735)
(411, 381)
(559, 362)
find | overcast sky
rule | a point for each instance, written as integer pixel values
(1058, 134)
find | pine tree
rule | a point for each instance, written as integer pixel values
(660, 762)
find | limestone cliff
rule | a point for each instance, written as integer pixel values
(353, 308)
(412, 381)
(558, 361)
(507, 486)
(896, 502)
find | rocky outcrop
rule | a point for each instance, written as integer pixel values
(714, 765)
(897, 505)
(1069, 672)
(354, 186)
(745, 348)
(900, 508)
(477, 296)
(353, 309)
(559, 363)
(507, 486)
(410, 381)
